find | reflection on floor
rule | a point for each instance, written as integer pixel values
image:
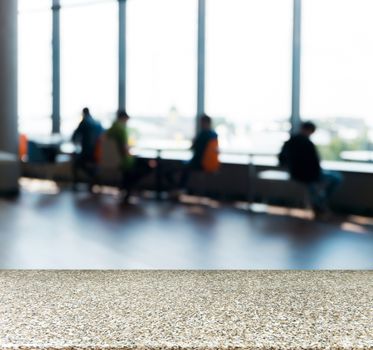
(49, 228)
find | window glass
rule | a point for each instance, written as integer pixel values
(35, 67)
(89, 62)
(66, 3)
(161, 71)
(248, 72)
(337, 75)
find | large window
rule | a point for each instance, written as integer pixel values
(35, 67)
(162, 70)
(248, 72)
(337, 75)
(89, 61)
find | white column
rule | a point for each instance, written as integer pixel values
(8, 76)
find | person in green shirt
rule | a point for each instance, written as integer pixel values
(133, 168)
(119, 134)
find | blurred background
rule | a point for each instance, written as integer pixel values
(258, 68)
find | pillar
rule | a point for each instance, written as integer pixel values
(9, 163)
(8, 76)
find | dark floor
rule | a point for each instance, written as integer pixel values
(46, 228)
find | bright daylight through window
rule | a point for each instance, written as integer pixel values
(35, 67)
(337, 76)
(162, 71)
(89, 61)
(248, 70)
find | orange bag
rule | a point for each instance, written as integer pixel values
(22, 147)
(210, 160)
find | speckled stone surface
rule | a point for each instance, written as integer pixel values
(186, 310)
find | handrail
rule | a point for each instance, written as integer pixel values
(222, 152)
(344, 166)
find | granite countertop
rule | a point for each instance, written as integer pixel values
(186, 310)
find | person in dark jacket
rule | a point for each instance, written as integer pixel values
(86, 137)
(300, 156)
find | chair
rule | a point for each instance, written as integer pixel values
(205, 182)
(282, 178)
(40, 163)
(9, 173)
(110, 160)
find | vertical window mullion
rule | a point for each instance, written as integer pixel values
(201, 58)
(296, 66)
(56, 67)
(122, 55)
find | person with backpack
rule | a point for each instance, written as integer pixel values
(205, 149)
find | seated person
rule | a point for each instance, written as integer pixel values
(205, 149)
(86, 136)
(133, 169)
(300, 156)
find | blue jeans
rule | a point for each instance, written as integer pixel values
(321, 191)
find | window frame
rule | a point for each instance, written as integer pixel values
(201, 62)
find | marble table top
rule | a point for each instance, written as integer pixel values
(188, 310)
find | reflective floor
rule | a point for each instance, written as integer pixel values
(51, 228)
